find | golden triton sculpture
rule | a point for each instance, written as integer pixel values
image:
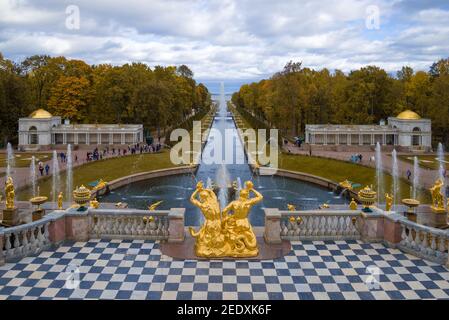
(153, 206)
(437, 197)
(9, 193)
(225, 234)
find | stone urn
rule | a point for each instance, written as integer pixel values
(81, 196)
(367, 198)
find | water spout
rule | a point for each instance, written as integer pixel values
(416, 175)
(33, 175)
(69, 179)
(379, 173)
(441, 168)
(10, 160)
(395, 174)
(55, 176)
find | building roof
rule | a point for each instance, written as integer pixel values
(408, 115)
(348, 127)
(41, 114)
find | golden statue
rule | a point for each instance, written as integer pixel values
(291, 207)
(437, 196)
(94, 203)
(153, 206)
(353, 205)
(238, 230)
(225, 234)
(210, 241)
(100, 185)
(388, 202)
(60, 198)
(9, 193)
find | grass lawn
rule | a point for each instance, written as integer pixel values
(23, 159)
(337, 171)
(427, 161)
(108, 170)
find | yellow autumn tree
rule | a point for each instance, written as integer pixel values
(70, 97)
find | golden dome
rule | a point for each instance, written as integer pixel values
(41, 114)
(408, 115)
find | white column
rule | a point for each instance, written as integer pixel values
(360, 139)
(87, 138)
(75, 137)
(122, 138)
(64, 138)
(372, 139)
(348, 138)
(384, 139)
(111, 138)
(98, 138)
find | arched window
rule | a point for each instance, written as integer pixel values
(32, 136)
(416, 138)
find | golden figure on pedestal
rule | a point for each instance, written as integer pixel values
(437, 197)
(9, 193)
(388, 202)
(225, 234)
(60, 198)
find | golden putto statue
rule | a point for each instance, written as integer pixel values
(9, 193)
(227, 233)
(388, 202)
(437, 196)
(60, 198)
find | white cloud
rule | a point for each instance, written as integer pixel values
(229, 39)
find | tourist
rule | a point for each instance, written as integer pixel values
(409, 174)
(41, 168)
(47, 168)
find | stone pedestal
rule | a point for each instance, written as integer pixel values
(272, 233)
(433, 218)
(38, 214)
(11, 217)
(176, 232)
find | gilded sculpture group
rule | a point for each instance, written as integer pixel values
(225, 233)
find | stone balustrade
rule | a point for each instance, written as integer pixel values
(129, 224)
(23, 240)
(423, 241)
(319, 225)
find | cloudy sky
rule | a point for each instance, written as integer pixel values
(236, 40)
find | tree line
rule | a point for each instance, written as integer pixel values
(297, 96)
(158, 97)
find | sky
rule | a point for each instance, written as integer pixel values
(237, 41)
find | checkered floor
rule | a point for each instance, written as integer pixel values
(137, 270)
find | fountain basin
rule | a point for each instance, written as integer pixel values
(37, 201)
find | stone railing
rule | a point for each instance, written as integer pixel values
(129, 224)
(312, 225)
(24, 240)
(58, 226)
(423, 241)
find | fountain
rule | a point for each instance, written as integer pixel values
(37, 200)
(379, 172)
(69, 179)
(55, 176)
(416, 175)
(33, 177)
(10, 160)
(441, 168)
(395, 174)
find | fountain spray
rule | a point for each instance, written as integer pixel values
(55, 176)
(33, 175)
(69, 179)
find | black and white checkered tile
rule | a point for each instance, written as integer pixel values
(117, 269)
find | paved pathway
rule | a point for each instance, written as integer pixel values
(120, 269)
